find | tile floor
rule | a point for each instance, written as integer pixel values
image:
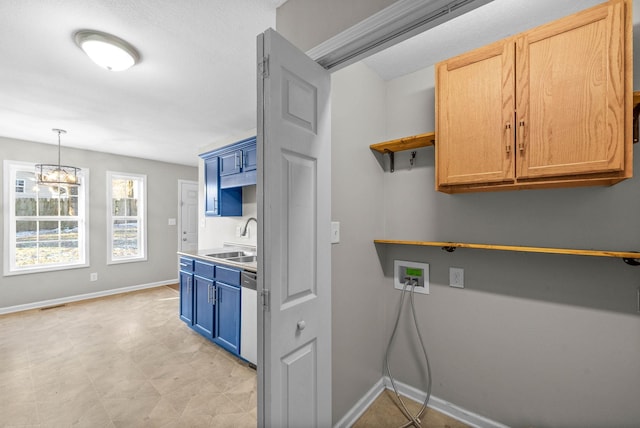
(385, 412)
(128, 361)
(119, 361)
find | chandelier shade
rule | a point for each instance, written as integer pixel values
(57, 174)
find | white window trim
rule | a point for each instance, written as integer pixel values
(142, 216)
(9, 267)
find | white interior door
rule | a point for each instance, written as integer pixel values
(294, 207)
(188, 222)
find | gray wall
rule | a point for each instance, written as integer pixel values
(307, 23)
(162, 242)
(532, 340)
(358, 119)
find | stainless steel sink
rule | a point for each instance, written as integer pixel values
(243, 259)
(232, 254)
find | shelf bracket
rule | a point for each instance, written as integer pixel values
(391, 158)
(631, 262)
(449, 249)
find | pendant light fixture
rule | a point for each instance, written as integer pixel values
(57, 174)
(107, 50)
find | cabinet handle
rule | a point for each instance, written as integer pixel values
(215, 205)
(242, 159)
(507, 128)
(237, 159)
(521, 136)
(208, 293)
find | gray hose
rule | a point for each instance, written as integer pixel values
(413, 419)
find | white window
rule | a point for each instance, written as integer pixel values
(126, 223)
(45, 227)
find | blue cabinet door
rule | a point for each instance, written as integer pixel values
(230, 162)
(211, 189)
(186, 297)
(250, 158)
(217, 201)
(204, 306)
(228, 317)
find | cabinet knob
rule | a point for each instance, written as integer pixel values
(184, 239)
(301, 325)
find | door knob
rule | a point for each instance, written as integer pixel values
(301, 325)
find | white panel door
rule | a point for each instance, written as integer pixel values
(294, 249)
(188, 227)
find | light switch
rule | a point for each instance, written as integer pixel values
(172, 222)
(335, 232)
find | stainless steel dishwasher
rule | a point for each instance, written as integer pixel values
(249, 317)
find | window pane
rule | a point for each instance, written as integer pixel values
(48, 231)
(125, 238)
(132, 207)
(47, 204)
(69, 230)
(69, 206)
(26, 231)
(26, 254)
(26, 206)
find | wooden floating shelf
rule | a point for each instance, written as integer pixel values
(408, 143)
(451, 246)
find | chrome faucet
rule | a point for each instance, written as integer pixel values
(244, 229)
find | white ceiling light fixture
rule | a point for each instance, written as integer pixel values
(56, 174)
(107, 50)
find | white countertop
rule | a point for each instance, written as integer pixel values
(204, 255)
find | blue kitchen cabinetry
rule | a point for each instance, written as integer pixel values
(186, 290)
(226, 171)
(218, 201)
(215, 300)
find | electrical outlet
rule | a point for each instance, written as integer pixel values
(456, 277)
(93, 276)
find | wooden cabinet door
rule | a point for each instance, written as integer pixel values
(571, 95)
(475, 106)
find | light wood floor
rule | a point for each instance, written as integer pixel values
(128, 361)
(120, 361)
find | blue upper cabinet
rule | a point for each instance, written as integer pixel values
(226, 171)
(250, 157)
(218, 201)
(238, 164)
(230, 162)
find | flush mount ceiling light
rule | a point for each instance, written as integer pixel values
(56, 174)
(107, 50)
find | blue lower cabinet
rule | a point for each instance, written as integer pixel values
(228, 317)
(210, 301)
(186, 297)
(204, 307)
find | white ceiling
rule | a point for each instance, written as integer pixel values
(486, 24)
(196, 82)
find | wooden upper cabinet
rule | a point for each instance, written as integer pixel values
(475, 104)
(550, 107)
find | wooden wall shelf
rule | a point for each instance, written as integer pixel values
(408, 143)
(629, 257)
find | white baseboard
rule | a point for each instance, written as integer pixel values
(442, 406)
(79, 297)
(361, 406)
